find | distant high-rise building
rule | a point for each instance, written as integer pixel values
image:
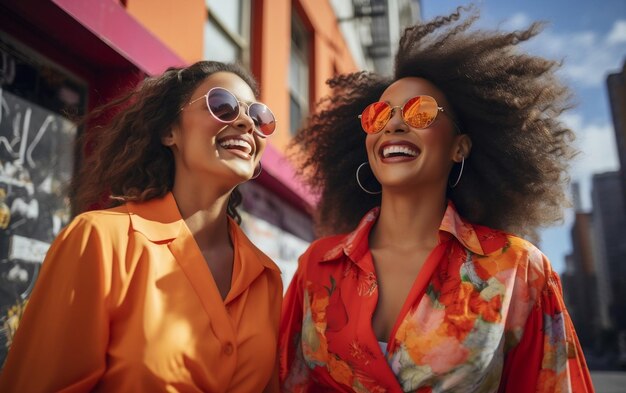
(579, 281)
(609, 221)
(616, 84)
(576, 196)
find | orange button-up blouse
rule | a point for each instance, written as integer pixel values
(125, 302)
(485, 314)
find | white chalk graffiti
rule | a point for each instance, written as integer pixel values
(20, 128)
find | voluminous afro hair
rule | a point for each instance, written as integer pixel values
(506, 101)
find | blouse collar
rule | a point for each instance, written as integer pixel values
(159, 220)
(477, 239)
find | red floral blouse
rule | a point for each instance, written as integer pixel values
(484, 314)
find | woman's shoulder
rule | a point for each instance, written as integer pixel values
(530, 262)
(525, 249)
(102, 218)
(520, 244)
(89, 237)
(103, 224)
(499, 243)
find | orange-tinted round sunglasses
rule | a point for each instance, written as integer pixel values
(417, 112)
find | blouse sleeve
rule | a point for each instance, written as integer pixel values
(549, 357)
(61, 341)
(294, 374)
(273, 386)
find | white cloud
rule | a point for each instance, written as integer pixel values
(588, 58)
(585, 39)
(518, 21)
(598, 153)
(618, 33)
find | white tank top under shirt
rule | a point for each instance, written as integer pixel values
(383, 347)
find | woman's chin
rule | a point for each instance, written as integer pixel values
(237, 168)
(241, 175)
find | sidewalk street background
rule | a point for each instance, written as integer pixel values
(609, 381)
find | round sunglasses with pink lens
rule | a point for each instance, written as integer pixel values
(226, 108)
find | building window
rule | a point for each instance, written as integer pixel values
(298, 74)
(227, 31)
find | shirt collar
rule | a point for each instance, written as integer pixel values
(476, 238)
(159, 220)
(246, 247)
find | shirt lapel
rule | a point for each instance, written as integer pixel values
(356, 244)
(160, 221)
(478, 239)
(249, 261)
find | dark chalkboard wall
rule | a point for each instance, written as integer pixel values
(36, 163)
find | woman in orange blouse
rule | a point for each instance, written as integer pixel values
(163, 291)
(429, 290)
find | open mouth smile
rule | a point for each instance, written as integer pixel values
(398, 151)
(237, 145)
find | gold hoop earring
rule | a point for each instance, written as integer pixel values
(458, 179)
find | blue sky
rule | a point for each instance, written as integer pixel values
(590, 37)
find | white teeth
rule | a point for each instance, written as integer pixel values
(229, 143)
(398, 149)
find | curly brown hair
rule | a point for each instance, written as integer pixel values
(506, 101)
(125, 159)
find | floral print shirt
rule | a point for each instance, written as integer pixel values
(485, 314)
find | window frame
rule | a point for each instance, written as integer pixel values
(240, 40)
(304, 57)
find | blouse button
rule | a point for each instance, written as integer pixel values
(228, 349)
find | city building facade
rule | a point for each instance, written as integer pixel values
(609, 222)
(579, 280)
(616, 87)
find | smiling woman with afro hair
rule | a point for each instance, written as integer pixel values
(425, 279)
(507, 102)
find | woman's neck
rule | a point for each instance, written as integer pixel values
(204, 212)
(408, 220)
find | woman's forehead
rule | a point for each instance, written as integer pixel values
(409, 87)
(229, 81)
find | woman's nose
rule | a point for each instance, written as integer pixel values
(244, 121)
(396, 122)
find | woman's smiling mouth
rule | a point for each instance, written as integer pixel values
(398, 151)
(237, 145)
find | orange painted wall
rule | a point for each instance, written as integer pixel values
(330, 46)
(270, 61)
(178, 24)
(271, 54)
